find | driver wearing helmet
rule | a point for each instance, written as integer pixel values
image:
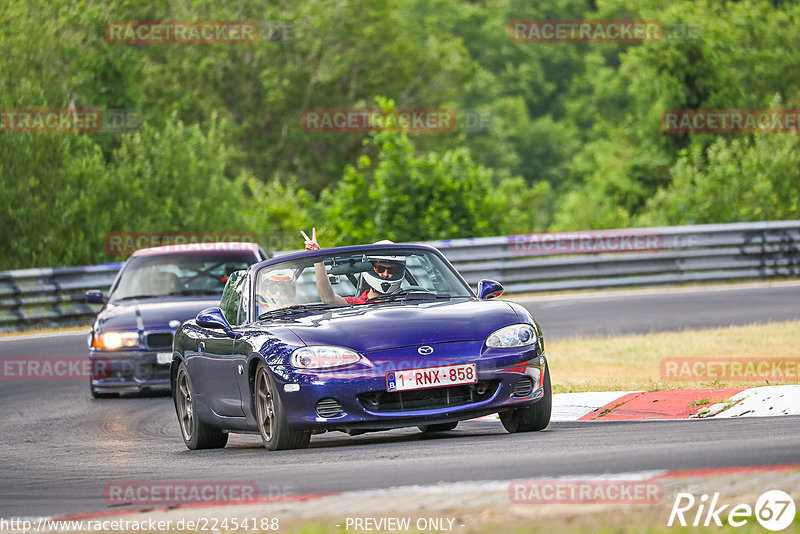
(385, 277)
(278, 290)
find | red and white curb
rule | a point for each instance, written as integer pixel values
(677, 404)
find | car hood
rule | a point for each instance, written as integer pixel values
(383, 326)
(151, 314)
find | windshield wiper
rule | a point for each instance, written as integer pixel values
(297, 308)
(131, 297)
(406, 295)
(192, 292)
(170, 294)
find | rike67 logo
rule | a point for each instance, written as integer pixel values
(774, 510)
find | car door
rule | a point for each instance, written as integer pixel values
(242, 350)
(212, 376)
(215, 368)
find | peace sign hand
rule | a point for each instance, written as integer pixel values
(311, 242)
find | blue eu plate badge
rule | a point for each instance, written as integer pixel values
(391, 385)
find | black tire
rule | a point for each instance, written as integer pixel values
(97, 395)
(442, 427)
(532, 418)
(276, 434)
(196, 434)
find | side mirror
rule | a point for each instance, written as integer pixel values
(95, 296)
(489, 289)
(213, 318)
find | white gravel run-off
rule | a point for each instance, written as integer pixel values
(573, 406)
(758, 402)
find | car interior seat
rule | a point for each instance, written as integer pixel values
(164, 283)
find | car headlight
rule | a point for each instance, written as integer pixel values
(516, 335)
(323, 357)
(115, 340)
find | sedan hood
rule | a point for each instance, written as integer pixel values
(369, 328)
(151, 314)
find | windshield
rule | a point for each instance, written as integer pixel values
(389, 275)
(177, 274)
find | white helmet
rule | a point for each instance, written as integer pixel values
(379, 280)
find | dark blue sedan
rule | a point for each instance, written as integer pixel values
(130, 343)
(356, 339)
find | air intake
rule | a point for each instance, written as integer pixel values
(329, 408)
(523, 388)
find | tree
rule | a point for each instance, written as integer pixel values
(405, 196)
(735, 180)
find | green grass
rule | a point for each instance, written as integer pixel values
(633, 362)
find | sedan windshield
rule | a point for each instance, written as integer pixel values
(177, 274)
(376, 276)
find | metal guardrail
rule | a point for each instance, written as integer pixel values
(651, 256)
(31, 298)
(522, 263)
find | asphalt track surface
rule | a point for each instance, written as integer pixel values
(58, 447)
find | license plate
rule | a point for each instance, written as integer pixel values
(164, 357)
(431, 377)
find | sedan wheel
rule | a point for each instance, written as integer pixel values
(196, 434)
(275, 431)
(532, 418)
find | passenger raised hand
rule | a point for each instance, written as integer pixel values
(311, 242)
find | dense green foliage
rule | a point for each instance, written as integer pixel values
(571, 137)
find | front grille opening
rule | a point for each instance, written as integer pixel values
(159, 341)
(428, 399)
(329, 408)
(523, 388)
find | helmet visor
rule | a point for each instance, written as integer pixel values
(388, 270)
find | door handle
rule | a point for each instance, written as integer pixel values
(201, 347)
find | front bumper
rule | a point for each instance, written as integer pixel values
(356, 397)
(128, 371)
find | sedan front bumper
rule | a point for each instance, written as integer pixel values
(128, 371)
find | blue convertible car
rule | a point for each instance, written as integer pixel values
(356, 339)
